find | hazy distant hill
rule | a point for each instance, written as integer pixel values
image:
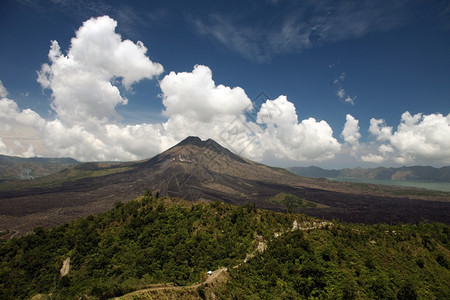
(314, 172)
(403, 173)
(19, 168)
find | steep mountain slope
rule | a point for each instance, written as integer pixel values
(196, 169)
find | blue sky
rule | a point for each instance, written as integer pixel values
(328, 83)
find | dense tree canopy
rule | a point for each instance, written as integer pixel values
(161, 240)
(145, 241)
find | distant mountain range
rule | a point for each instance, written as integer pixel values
(403, 173)
(19, 168)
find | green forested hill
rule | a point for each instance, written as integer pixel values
(141, 242)
(350, 262)
(153, 241)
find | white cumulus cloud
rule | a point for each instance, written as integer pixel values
(195, 105)
(195, 95)
(81, 81)
(423, 137)
(4, 149)
(3, 91)
(14, 121)
(385, 149)
(372, 158)
(350, 133)
(286, 137)
(419, 139)
(380, 130)
(10, 115)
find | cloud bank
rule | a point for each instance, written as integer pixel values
(85, 92)
(419, 138)
(86, 85)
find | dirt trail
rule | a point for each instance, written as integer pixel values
(12, 233)
(210, 279)
(214, 275)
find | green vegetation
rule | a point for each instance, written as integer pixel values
(142, 242)
(160, 240)
(350, 262)
(291, 201)
(67, 175)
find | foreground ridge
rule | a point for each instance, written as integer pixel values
(173, 243)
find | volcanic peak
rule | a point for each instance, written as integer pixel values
(196, 141)
(208, 146)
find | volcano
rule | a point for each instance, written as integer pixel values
(199, 170)
(193, 170)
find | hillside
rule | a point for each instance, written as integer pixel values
(404, 173)
(164, 247)
(199, 170)
(19, 168)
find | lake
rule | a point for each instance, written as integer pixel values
(430, 185)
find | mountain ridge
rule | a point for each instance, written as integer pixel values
(20, 168)
(425, 173)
